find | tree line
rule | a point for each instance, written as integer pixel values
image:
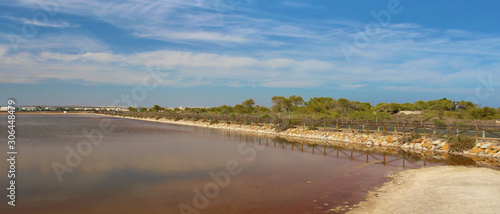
(327, 107)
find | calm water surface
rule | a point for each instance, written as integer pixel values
(148, 167)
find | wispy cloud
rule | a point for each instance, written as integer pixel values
(44, 23)
(245, 49)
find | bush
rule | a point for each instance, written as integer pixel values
(312, 128)
(265, 116)
(460, 143)
(225, 112)
(282, 127)
(439, 122)
(413, 136)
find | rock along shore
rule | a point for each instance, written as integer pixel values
(485, 153)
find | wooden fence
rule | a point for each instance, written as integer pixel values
(339, 125)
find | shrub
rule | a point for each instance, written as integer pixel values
(439, 122)
(409, 138)
(225, 111)
(282, 127)
(265, 116)
(312, 128)
(460, 143)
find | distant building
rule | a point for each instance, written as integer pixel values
(4, 108)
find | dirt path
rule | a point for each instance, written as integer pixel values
(442, 189)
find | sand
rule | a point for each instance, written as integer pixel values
(441, 189)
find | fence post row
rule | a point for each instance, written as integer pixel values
(360, 125)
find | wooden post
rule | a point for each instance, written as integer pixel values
(324, 124)
(384, 128)
(337, 125)
(350, 126)
(425, 131)
(484, 133)
(477, 134)
(404, 129)
(449, 130)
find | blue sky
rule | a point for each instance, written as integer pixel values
(214, 52)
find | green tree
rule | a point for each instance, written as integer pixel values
(382, 107)
(394, 107)
(249, 105)
(344, 105)
(281, 104)
(485, 113)
(465, 105)
(240, 109)
(157, 108)
(421, 105)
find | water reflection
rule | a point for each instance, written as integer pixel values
(147, 167)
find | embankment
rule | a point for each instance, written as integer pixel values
(483, 153)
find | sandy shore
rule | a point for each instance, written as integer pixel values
(442, 189)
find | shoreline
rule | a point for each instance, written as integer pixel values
(440, 189)
(435, 147)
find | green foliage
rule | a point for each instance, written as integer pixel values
(156, 108)
(382, 115)
(312, 128)
(485, 113)
(248, 105)
(361, 115)
(327, 107)
(225, 112)
(460, 143)
(265, 116)
(240, 109)
(452, 114)
(459, 123)
(439, 122)
(262, 109)
(413, 136)
(283, 104)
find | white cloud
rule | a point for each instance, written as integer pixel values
(41, 22)
(270, 52)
